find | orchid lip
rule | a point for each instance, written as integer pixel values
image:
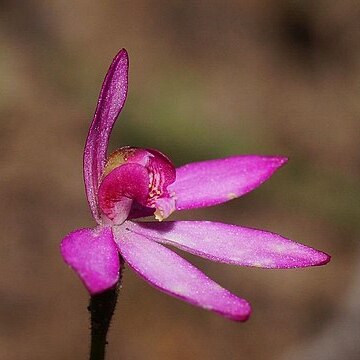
(136, 175)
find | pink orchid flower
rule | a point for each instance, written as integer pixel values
(133, 182)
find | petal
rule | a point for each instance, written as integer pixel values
(170, 273)
(232, 244)
(213, 182)
(128, 181)
(111, 100)
(93, 255)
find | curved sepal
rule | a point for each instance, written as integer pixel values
(111, 101)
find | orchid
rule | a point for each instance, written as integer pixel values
(133, 183)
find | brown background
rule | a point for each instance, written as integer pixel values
(208, 79)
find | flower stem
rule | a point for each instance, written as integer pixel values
(101, 309)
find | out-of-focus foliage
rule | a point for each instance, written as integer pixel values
(208, 79)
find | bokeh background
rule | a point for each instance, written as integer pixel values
(207, 79)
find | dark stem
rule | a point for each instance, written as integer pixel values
(101, 309)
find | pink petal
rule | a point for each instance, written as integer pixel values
(170, 273)
(213, 182)
(122, 185)
(111, 100)
(232, 244)
(93, 255)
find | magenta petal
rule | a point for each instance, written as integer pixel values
(213, 182)
(93, 254)
(232, 244)
(170, 273)
(111, 100)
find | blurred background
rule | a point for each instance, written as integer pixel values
(208, 79)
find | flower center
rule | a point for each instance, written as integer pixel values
(134, 184)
